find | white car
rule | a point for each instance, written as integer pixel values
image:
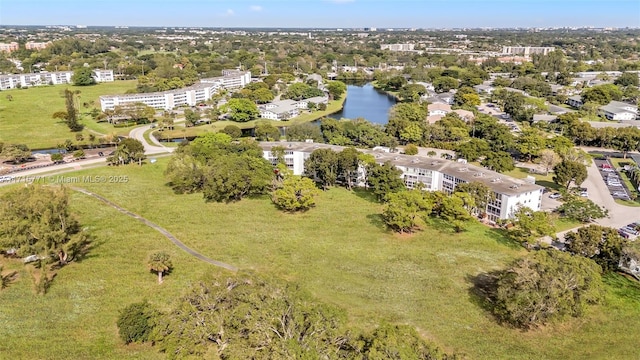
(555, 196)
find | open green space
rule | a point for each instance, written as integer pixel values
(27, 118)
(339, 251)
(182, 132)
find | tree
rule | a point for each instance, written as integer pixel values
(322, 166)
(136, 322)
(241, 110)
(244, 316)
(473, 149)
(296, 194)
(548, 159)
(15, 153)
(480, 192)
(233, 131)
(569, 171)
(36, 220)
(454, 209)
(79, 154)
(83, 76)
(70, 116)
(404, 208)
(627, 79)
(267, 132)
(262, 96)
(304, 131)
(348, 166)
(336, 89)
(234, 176)
(583, 210)
(191, 117)
(160, 263)
(445, 83)
(603, 245)
(499, 161)
(384, 179)
(545, 286)
(531, 142)
(128, 151)
(529, 225)
(411, 149)
(6, 278)
(398, 342)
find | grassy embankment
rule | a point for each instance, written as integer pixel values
(182, 132)
(339, 251)
(26, 119)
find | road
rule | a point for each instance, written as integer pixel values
(149, 149)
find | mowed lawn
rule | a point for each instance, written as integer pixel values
(339, 251)
(27, 118)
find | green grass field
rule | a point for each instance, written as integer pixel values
(339, 251)
(26, 119)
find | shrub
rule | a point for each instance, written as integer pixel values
(136, 322)
(411, 149)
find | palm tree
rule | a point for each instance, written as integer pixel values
(159, 262)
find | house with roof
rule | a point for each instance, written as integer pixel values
(617, 110)
(304, 103)
(575, 101)
(484, 89)
(438, 109)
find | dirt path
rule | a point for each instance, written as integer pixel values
(161, 230)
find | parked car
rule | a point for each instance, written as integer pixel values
(584, 194)
(624, 234)
(630, 230)
(555, 196)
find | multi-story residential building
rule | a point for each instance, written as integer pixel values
(47, 78)
(526, 50)
(617, 110)
(36, 45)
(103, 75)
(10, 47)
(397, 47)
(189, 96)
(432, 174)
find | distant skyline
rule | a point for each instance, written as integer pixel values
(324, 13)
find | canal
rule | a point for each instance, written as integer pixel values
(364, 101)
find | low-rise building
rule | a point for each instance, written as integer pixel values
(13, 81)
(617, 110)
(30, 45)
(188, 96)
(9, 47)
(434, 174)
(397, 47)
(527, 50)
(575, 101)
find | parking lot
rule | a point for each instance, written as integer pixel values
(611, 178)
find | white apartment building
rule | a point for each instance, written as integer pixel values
(397, 47)
(287, 109)
(36, 45)
(527, 50)
(435, 174)
(189, 96)
(103, 75)
(13, 81)
(617, 110)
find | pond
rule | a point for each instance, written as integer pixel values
(364, 101)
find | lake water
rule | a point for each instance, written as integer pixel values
(366, 102)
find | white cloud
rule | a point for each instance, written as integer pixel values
(229, 12)
(341, 1)
(255, 8)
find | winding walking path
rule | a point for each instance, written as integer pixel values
(160, 229)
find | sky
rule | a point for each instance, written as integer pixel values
(324, 13)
